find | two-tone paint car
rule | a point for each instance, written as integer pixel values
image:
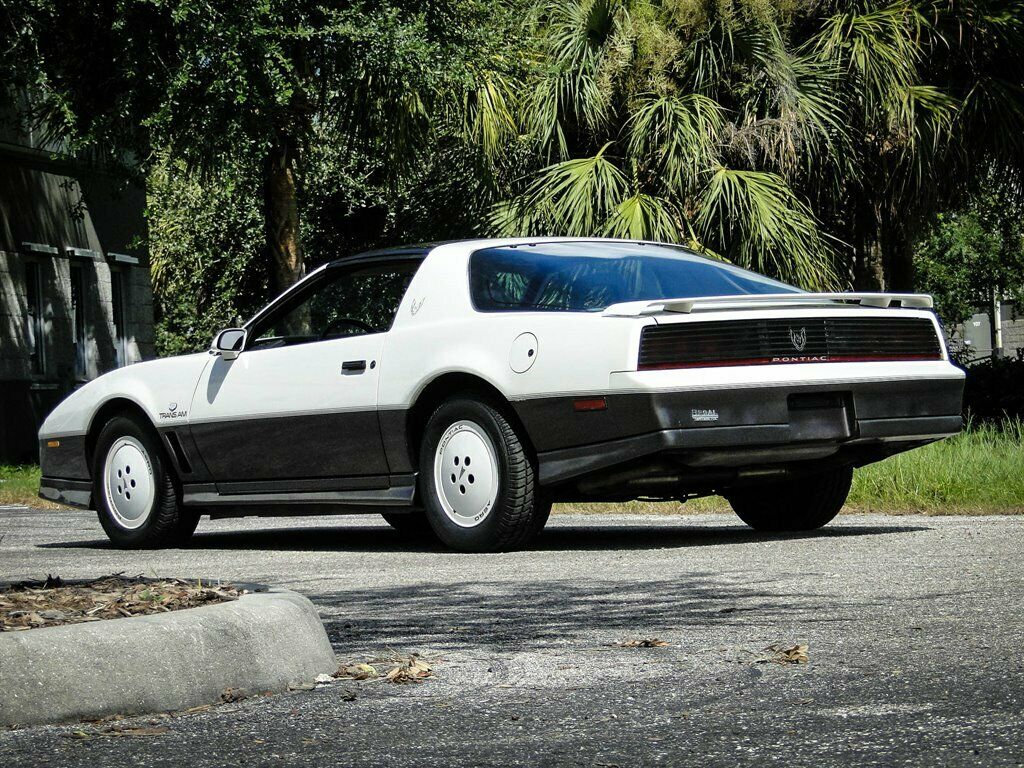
(462, 388)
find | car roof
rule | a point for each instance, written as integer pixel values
(420, 250)
(395, 253)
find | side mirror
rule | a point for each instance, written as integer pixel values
(229, 343)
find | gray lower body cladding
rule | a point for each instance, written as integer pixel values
(313, 463)
(855, 422)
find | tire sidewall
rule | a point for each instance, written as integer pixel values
(116, 428)
(481, 535)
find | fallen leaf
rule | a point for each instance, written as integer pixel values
(357, 672)
(414, 670)
(652, 642)
(785, 654)
(27, 605)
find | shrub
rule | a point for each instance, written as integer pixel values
(994, 391)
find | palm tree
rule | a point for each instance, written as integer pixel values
(804, 141)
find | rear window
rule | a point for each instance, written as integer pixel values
(590, 276)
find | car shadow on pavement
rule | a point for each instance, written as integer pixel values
(365, 538)
(528, 613)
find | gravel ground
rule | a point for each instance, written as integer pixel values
(913, 625)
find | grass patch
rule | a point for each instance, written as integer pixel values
(19, 484)
(980, 471)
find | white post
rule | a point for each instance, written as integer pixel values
(997, 325)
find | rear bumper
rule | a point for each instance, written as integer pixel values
(858, 422)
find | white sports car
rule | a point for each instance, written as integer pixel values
(462, 388)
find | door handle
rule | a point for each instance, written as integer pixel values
(353, 366)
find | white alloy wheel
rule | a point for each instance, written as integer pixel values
(129, 484)
(466, 474)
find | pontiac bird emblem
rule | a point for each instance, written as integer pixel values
(798, 338)
(417, 306)
(172, 407)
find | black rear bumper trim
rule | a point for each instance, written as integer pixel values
(569, 463)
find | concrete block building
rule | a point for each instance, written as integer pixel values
(976, 333)
(75, 294)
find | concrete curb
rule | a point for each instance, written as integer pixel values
(265, 641)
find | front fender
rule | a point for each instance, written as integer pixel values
(153, 387)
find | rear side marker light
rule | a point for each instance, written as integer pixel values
(590, 404)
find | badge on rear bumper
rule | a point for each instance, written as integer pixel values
(704, 414)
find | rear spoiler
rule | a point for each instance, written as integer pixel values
(722, 303)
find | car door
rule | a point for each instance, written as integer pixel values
(298, 404)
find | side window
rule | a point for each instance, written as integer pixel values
(350, 303)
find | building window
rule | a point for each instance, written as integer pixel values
(78, 318)
(34, 336)
(117, 301)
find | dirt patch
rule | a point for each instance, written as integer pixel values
(50, 603)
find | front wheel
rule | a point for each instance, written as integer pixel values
(478, 482)
(134, 493)
(800, 504)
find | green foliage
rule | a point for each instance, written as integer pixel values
(994, 392)
(969, 253)
(784, 136)
(206, 245)
(805, 140)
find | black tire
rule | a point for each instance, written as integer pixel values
(167, 523)
(412, 525)
(801, 504)
(508, 521)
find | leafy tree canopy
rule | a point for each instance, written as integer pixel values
(973, 253)
(810, 140)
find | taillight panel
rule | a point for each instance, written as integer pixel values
(774, 341)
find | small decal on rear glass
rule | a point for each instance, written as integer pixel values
(704, 414)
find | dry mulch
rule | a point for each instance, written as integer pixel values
(50, 603)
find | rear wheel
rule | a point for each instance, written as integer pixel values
(801, 504)
(134, 493)
(478, 484)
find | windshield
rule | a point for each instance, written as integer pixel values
(590, 276)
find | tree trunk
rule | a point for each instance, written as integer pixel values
(281, 215)
(868, 270)
(899, 249)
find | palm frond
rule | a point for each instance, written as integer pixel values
(643, 217)
(489, 114)
(573, 197)
(880, 47)
(755, 216)
(677, 135)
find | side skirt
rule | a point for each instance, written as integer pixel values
(236, 500)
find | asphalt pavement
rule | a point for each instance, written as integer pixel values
(913, 628)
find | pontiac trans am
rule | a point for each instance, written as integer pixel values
(460, 389)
